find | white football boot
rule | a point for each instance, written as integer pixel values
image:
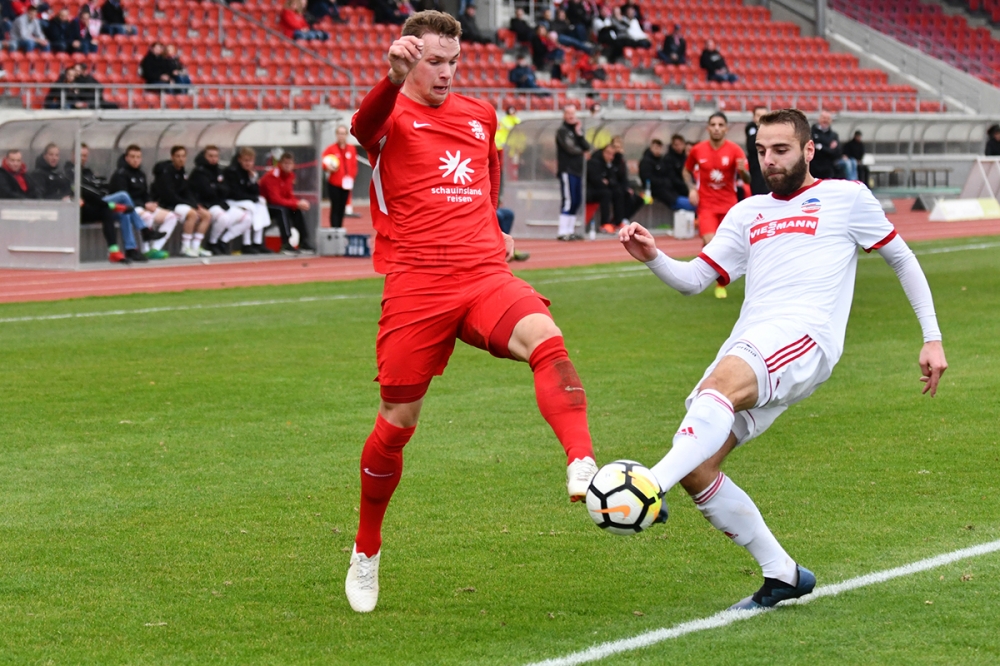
(579, 474)
(362, 581)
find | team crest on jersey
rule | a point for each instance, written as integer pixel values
(477, 130)
(803, 224)
(725, 160)
(811, 206)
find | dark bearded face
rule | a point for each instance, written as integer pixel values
(785, 181)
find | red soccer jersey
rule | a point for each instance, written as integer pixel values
(434, 182)
(715, 171)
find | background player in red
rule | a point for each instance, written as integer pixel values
(717, 162)
(435, 185)
(340, 179)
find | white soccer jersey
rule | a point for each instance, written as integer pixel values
(799, 255)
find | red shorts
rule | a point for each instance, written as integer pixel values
(709, 220)
(423, 314)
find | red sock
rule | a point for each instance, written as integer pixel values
(561, 398)
(381, 468)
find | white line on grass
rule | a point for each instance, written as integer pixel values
(582, 276)
(727, 617)
(182, 308)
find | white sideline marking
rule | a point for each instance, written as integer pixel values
(181, 308)
(727, 617)
(582, 276)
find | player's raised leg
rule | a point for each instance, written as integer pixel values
(561, 397)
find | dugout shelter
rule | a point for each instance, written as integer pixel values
(48, 234)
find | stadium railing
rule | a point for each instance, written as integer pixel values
(277, 97)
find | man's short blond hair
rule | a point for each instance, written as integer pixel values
(246, 151)
(434, 22)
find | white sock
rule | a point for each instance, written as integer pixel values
(702, 433)
(145, 247)
(167, 227)
(196, 240)
(186, 241)
(732, 512)
(567, 224)
(258, 236)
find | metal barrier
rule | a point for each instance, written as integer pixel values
(260, 97)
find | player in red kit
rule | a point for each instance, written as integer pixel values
(717, 162)
(434, 192)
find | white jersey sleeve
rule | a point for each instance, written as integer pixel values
(727, 252)
(868, 225)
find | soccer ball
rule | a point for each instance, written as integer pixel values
(331, 162)
(624, 497)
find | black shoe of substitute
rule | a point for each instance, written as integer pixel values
(135, 255)
(151, 234)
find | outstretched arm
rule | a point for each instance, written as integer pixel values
(371, 122)
(687, 277)
(902, 260)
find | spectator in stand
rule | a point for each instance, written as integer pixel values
(14, 181)
(992, 141)
(113, 19)
(854, 150)
(715, 65)
(208, 186)
(566, 33)
(545, 20)
(637, 37)
(580, 14)
(657, 174)
(278, 188)
(674, 51)
(178, 74)
(81, 38)
(320, 9)
(26, 32)
(59, 32)
(241, 182)
(65, 95)
(387, 12)
(545, 52)
(757, 183)
(522, 75)
(90, 91)
(521, 28)
(470, 30)
(612, 31)
(591, 70)
(131, 179)
(49, 180)
(828, 149)
(170, 190)
(340, 179)
(293, 23)
(154, 66)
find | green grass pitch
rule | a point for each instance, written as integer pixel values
(180, 486)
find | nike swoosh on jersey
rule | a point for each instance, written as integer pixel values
(378, 476)
(417, 125)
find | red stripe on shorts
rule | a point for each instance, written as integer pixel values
(802, 352)
(781, 351)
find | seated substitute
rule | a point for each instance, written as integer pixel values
(170, 190)
(244, 193)
(278, 187)
(129, 177)
(209, 188)
(663, 181)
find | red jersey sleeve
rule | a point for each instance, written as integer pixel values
(691, 161)
(494, 175)
(374, 116)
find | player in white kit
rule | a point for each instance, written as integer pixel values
(797, 248)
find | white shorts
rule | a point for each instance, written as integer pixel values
(789, 366)
(182, 210)
(145, 216)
